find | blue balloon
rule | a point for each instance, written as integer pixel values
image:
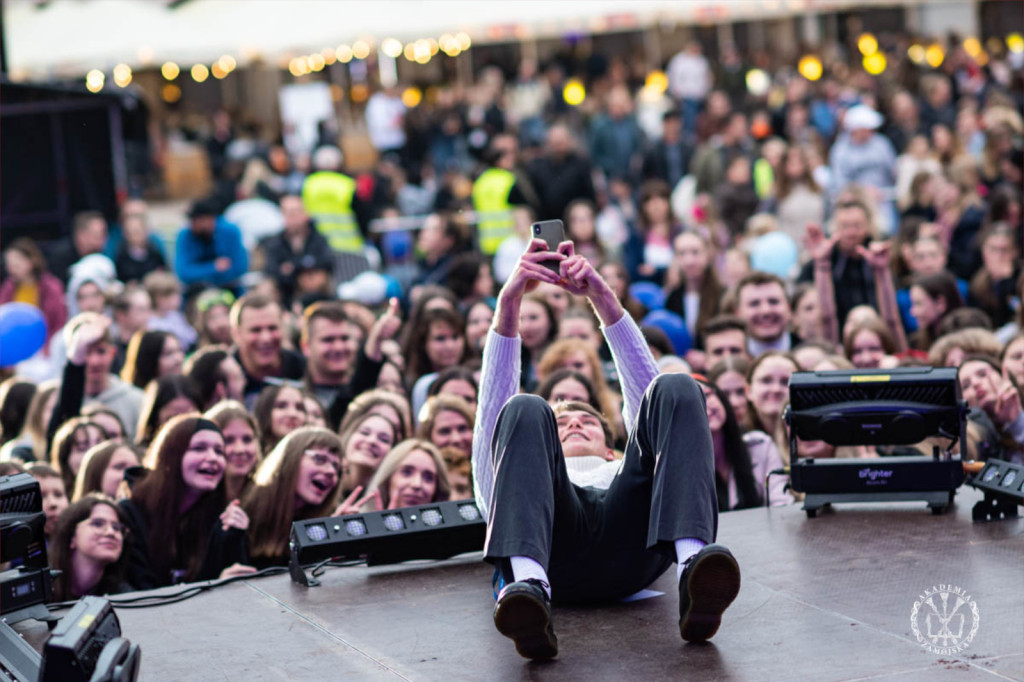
(777, 253)
(648, 293)
(22, 332)
(674, 328)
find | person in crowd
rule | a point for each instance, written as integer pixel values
(316, 414)
(16, 395)
(560, 174)
(299, 479)
(729, 376)
(54, 494)
(209, 250)
(460, 477)
(297, 245)
(165, 291)
(928, 256)
(496, 191)
(392, 406)
(568, 385)
(698, 291)
(458, 381)
(689, 81)
(279, 410)
(866, 158)
(931, 298)
(961, 217)
(102, 469)
(135, 251)
(413, 473)
(539, 328)
(951, 349)
(338, 369)
(132, 309)
(470, 278)
(992, 287)
(731, 139)
(72, 440)
(615, 136)
(257, 331)
(479, 316)
(89, 549)
(617, 277)
(88, 236)
(151, 355)
(216, 374)
(867, 343)
(242, 452)
(806, 306)
(164, 398)
(809, 353)
(365, 440)
(182, 527)
(529, 446)
(330, 199)
(762, 304)
(735, 197)
(768, 379)
(213, 317)
(28, 281)
(726, 336)
(995, 412)
(438, 343)
(30, 443)
(447, 422)
(581, 230)
(798, 198)
(669, 159)
(648, 253)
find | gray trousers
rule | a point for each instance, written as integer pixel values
(599, 545)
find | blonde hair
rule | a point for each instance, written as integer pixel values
(437, 404)
(973, 341)
(381, 480)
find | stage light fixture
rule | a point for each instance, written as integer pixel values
(435, 531)
(87, 645)
(1003, 485)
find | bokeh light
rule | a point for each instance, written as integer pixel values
(411, 97)
(758, 82)
(94, 80)
(574, 93)
(934, 55)
(200, 73)
(867, 44)
(171, 93)
(344, 54)
(810, 67)
(170, 70)
(874, 63)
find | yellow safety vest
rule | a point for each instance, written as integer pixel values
(495, 220)
(327, 197)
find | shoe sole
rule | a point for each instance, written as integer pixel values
(526, 621)
(714, 584)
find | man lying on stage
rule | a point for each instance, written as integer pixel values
(565, 522)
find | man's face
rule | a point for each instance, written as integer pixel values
(581, 435)
(295, 217)
(98, 359)
(202, 226)
(851, 227)
(765, 310)
(91, 238)
(137, 315)
(332, 346)
(258, 336)
(731, 343)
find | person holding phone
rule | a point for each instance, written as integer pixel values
(564, 520)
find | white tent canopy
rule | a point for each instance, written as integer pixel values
(69, 37)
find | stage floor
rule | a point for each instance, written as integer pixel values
(828, 598)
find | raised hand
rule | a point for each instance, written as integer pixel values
(85, 335)
(818, 246)
(236, 570)
(578, 275)
(350, 505)
(530, 270)
(234, 517)
(1007, 407)
(876, 254)
(384, 329)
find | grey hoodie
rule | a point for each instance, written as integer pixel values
(125, 400)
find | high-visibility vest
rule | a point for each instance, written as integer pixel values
(327, 197)
(494, 214)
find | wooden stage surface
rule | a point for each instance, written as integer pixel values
(822, 599)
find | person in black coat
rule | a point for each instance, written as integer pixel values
(296, 247)
(561, 175)
(669, 158)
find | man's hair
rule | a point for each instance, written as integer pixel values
(160, 283)
(576, 406)
(723, 323)
(853, 202)
(757, 278)
(249, 302)
(332, 311)
(83, 218)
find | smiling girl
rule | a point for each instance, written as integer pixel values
(88, 549)
(241, 445)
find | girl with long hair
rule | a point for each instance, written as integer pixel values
(72, 441)
(447, 422)
(279, 410)
(164, 398)
(151, 355)
(768, 394)
(103, 469)
(299, 479)
(89, 549)
(698, 293)
(183, 528)
(364, 442)
(241, 445)
(413, 473)
(932, 297)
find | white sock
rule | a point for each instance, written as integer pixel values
(524, 567)
(686, 548)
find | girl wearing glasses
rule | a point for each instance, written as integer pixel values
(88, 549)
(298, 480)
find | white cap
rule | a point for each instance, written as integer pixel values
(367, 288)
(862, 117)
(327, 158)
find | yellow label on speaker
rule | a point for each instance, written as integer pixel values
(86, 620)
(863, 379)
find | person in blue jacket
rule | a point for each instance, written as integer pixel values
(210, 250)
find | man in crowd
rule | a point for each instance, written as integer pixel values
(256, 329)
(725, 336)
(762, 304)
(689, 80)
(210, 251)
(565, 519)
(330, 197)
(560, 175)
(297, 246)
(669, 159)
(132, 310)
(88, 235)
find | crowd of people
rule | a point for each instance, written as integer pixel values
(314, 344)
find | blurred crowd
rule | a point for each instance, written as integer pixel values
(311, 345)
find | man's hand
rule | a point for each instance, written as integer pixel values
(529, 271)
(876, 254)
(222, 264)
(580, 279)
(385, 328)
(818, 247)
(84, 336)
(1007, 406)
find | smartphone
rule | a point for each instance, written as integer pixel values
(552, 232)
